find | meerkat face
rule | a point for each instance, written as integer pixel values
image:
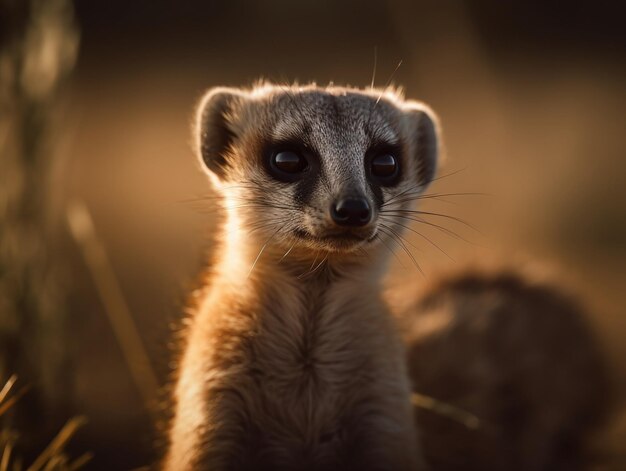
(326, 169)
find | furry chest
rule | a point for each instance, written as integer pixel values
(306, 377)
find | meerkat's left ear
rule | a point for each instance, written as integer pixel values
(425, 145)
(214, 131)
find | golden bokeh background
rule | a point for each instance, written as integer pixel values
(531, 98)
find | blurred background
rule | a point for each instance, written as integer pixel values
(99, 238)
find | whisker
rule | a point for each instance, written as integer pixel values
(387, 246)
(443, 229)
(199, 198)
(261, 205)
(403, 238)
(430, 213)
(245, 203)
(407, 191)
(427, 239)
(322, 262)
(287, 252)
(414, 189)
(388, 82)
(436, 198)
(311, 267)
(466, 193)
(220, 198)
(262, 250)
(373, 106)
(417, 196)
(449, 174)
(252, 228)
(314, 260)
(310, 272)
(375, 64)
(405, 248)
(419, 185)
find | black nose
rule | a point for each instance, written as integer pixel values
(351, 212)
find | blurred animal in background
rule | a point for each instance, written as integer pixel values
(516, 354)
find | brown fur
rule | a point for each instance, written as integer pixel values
(517, 355)
(291, 360)
(289, 383)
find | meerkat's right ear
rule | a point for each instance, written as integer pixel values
(425, 135)
(214, 131)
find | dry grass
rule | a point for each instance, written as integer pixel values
(54, 457)
(445, 409)
(83, 231)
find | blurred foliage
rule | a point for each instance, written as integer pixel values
(38, 45)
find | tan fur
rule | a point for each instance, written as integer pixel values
(291, 366)
(292, 361)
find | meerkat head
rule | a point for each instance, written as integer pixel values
(324, 169)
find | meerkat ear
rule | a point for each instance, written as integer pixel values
(423, 127)
(214, 131)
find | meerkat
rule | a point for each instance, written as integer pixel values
(291, 359)
(518, 355)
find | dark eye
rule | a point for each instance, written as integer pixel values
(384, 166)
(288, 162)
